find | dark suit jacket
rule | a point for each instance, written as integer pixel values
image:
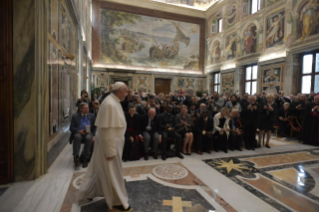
(249, 117)
(199, 124)
(132, 122)
(236, 123)
(156, 125)
(75, 123)
(167, 119)
(271, 114)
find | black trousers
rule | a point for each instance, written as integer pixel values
(235, 140)
(250, 131)
(174, 135)
(220, 141)
(203, 142)
(283, 127)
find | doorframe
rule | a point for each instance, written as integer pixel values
(172, 78)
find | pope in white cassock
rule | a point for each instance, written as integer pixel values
(104, 177)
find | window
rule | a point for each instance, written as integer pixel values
(310, 73)
(220, 25)
(216, 80)
(251, 79)
(255, 6)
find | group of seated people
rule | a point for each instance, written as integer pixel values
(176, 124)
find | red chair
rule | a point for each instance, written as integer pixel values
(294, 128)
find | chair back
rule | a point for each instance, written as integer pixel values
(292, 120)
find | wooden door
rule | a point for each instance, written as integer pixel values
(162, 85)
(6, 95)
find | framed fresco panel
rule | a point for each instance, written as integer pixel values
(53, 89)
(230, 46)
(271, 89)
(228, 80)
(275, 29)
(272, 75)
(139, 38)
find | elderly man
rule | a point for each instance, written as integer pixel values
(151, 132)
(249, 116)
(203, 99)
(282, 120)
(235, 134)
(83, 129)
(215, 104)
(104, 176)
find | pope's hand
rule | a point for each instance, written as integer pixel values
(110, 158)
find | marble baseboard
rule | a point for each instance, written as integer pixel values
(55, 151)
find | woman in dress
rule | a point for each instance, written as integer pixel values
(267, 118)
(183, 127)
(221, 129)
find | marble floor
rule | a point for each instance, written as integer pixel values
(283, 178)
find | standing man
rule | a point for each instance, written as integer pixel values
(215, 104)
(104, 176)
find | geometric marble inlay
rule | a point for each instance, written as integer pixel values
(290, 175)
(273, 160)
(282, 194)
(170, 172)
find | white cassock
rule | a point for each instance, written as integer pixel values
(105, 178)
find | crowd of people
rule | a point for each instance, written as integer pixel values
(180, 123)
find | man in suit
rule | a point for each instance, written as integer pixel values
(235, 134)
(215, 104)
(203, 99)
(83, 129)
(244, 100)
(95, 107)
(168, 130)
(151, 131)
(204, 126)
(249, 116)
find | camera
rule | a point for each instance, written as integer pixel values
(86, 96)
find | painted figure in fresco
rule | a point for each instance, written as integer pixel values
(231, 14)
(216, 51)
(275, 31)
(230, 51)
(308, 19)
(66, 28)
(250, 40)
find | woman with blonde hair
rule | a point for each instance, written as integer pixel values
(183, 127)
(267, 114)
(221, 129)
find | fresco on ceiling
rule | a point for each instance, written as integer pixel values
(202, 4)
(136, 40)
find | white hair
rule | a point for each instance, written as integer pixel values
(286, 103)
(252, 96)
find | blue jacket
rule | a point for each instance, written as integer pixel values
(75, 123)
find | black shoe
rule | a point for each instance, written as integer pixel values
(77, 162)
(247, 147)
(179, 155)
(267, 146)
(85, 163)
(258, 146)
(216, 150)
(90, 199)
(252, 148)
(232, 149)
(121, 208)
(225, 151)
(155, 156)
(163, 157)
(239, 149)
(145, 157)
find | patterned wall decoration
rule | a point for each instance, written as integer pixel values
(53, 26)
(228, 82)
(279, 25)
(53, 89)
(275, 30)
(142, 82)
(180, 83)
(191, 84)
(231, 14)
(272, 78)
(62, 72)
